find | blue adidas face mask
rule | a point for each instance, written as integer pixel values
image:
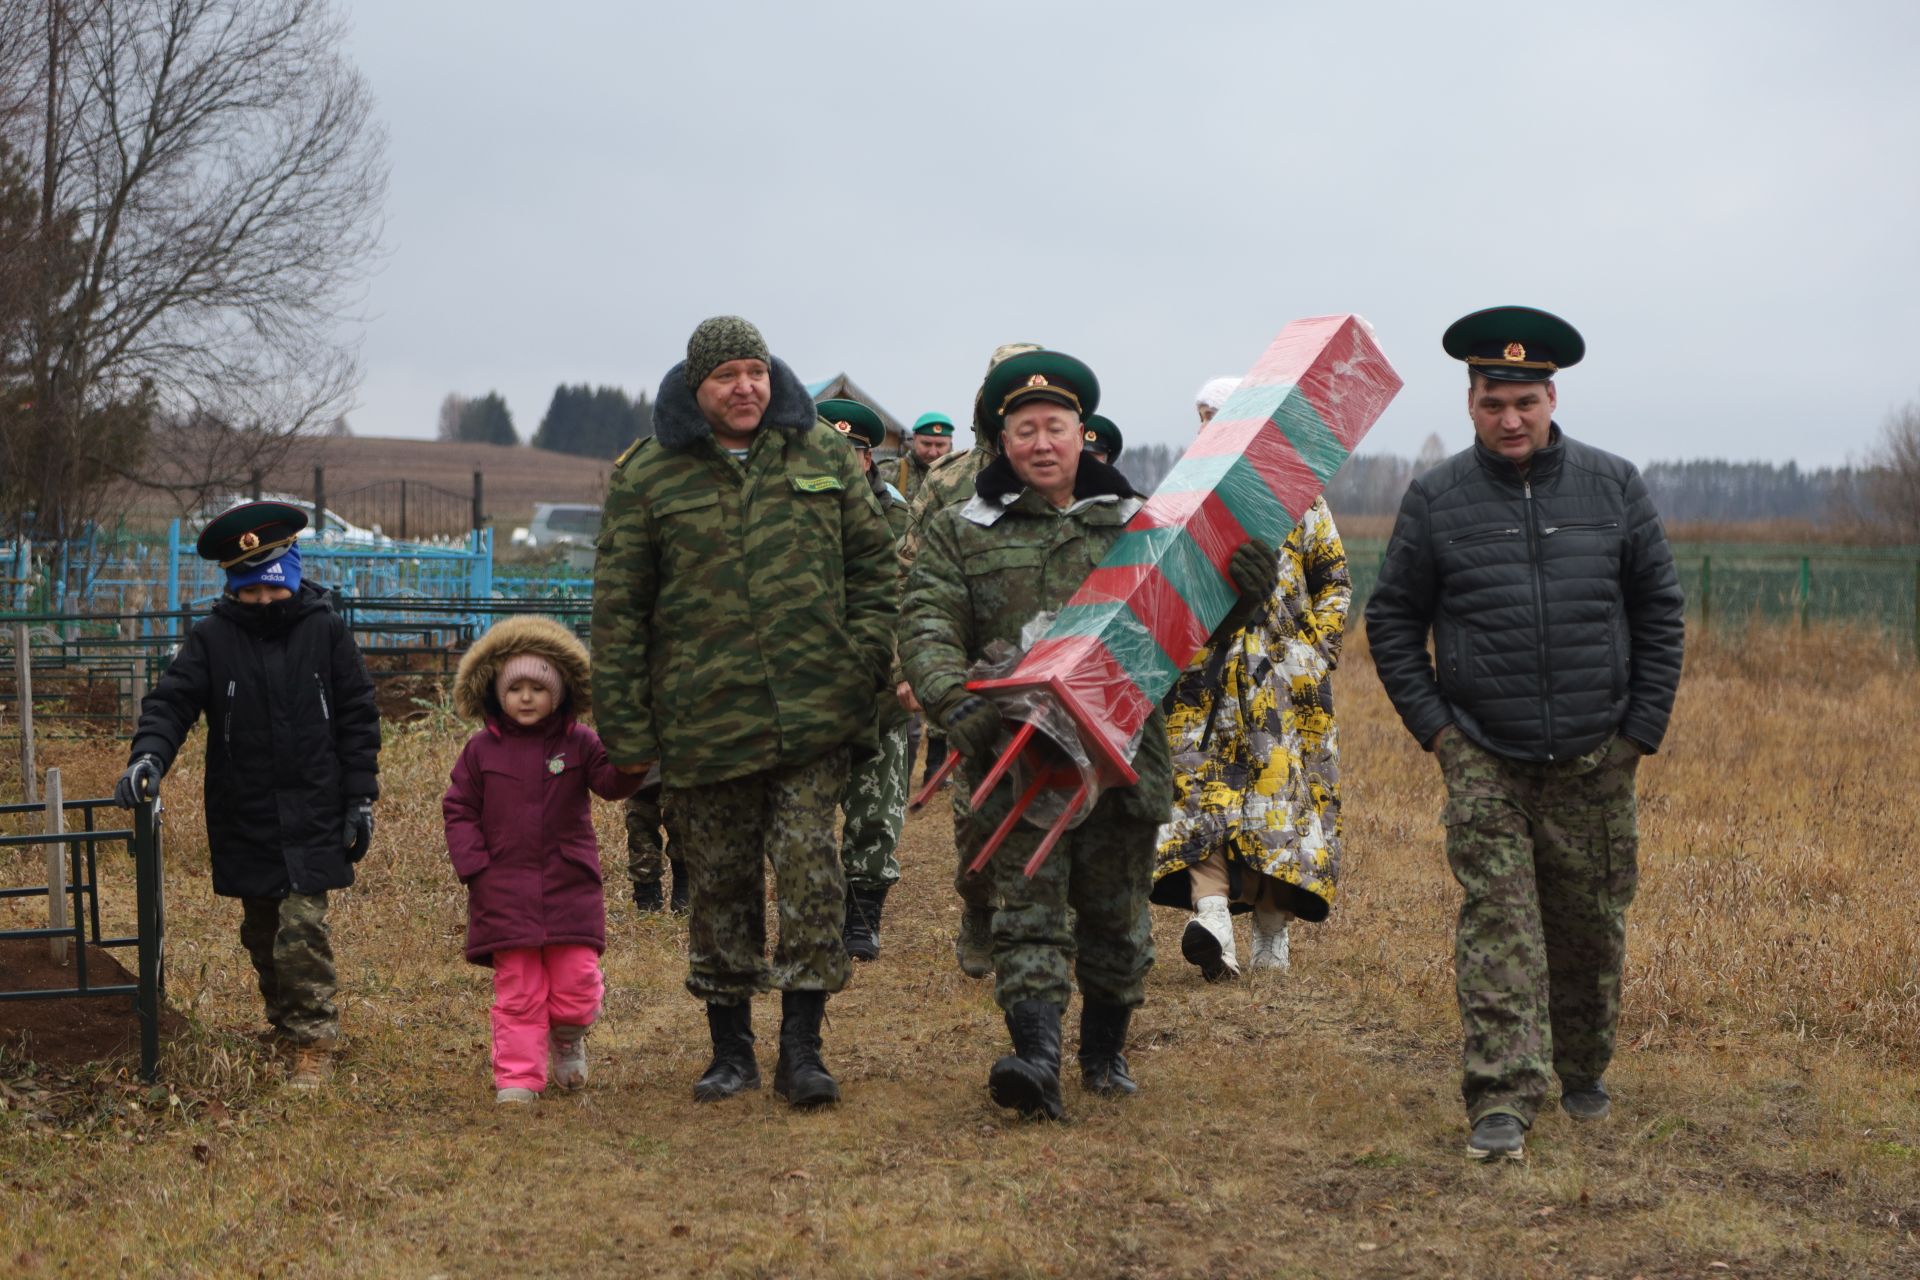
(282, 571)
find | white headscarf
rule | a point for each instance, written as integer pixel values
(1215, 392)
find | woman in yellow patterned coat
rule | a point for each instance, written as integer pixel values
(1256, 815)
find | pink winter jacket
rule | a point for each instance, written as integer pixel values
(520, 833)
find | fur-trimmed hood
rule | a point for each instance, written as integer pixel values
(1095, 479)
(678, 422)
(480, 665)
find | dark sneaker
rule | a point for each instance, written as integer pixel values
(974, 947)
(1497, 1135)
(1589, 1103)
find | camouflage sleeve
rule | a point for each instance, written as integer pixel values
(936, 620)
(624, 584)
(920, 509)
(871, 575)
(1329, 585)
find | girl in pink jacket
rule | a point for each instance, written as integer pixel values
(520, 833)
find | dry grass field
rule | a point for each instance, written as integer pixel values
(1767, 1118)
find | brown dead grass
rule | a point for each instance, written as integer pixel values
(1767, 1122)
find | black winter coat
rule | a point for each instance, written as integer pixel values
(292, 736)
(1552, 599)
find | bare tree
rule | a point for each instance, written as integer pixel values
(218, 168)
(1893, 478)
(452, 410)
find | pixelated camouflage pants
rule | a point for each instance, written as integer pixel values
(287, 940)
(1089, 897)
(729, 831)
(1548, 855)
(646, 850)
(875, 806)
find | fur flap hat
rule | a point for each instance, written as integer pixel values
(502, 648)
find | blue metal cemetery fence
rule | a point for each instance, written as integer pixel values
(81, 884)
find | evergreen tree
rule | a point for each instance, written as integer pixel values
(593, 422)
(487, 421)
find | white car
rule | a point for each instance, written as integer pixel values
(560, 524)
(335, 531)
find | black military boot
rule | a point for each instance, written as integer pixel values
(800, 1077)
(1103, 1035)
(680, 886)
(1028, 1079)
(733, 1068)
(861, 933)
(647, 896)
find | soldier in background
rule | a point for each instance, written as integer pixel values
(647, 856)
(1540, 568)
(874, 805)
(1102, 439)
(932, 440)
(949, 483)
(742, 628)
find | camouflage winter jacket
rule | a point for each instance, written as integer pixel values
(742, 610)
(987, 566)
(948, 481)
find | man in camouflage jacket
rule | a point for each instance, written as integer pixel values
(1041, 518)
(743, 628)
(949, 482)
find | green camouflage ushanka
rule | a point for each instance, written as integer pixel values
(743, 609)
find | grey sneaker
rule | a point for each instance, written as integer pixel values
(515, 1097)
(974, 947)
(1588, 1103)
(1497, 1135)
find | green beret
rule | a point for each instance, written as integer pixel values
(1101, 434)
(1514, 344)
(1040, 375)
(933, 424)
(244, 532)
(860, 425)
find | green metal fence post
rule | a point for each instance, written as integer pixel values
(1806, 587)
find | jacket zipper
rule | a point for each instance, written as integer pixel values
(1587, 524)
(228, 731)
(325, 714)
(1540, 619)
(1484, 533)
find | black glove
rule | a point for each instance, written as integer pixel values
(1254, 570)
(359, 832)
(140, 782)
(973, 727)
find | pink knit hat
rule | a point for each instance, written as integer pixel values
(529, 666)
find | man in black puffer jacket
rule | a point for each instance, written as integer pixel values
(1541, 570)
(293, 744)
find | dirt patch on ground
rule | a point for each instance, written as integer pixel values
(74, 1030)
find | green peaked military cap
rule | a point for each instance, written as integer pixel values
(1042, 375)
(860, 425)
(1101, 434)
(933, 424)
(1514, 344)
(251, 531)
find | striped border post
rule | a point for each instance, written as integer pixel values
(1142, 615)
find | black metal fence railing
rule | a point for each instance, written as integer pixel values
(81, 886)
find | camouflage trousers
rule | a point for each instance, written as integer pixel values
(287, 940)
(1089, 898)
(1548, 855)
(729, 831)
(646, 850)
(875, 806)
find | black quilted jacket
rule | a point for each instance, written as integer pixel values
(1551, 598)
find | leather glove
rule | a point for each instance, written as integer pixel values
(1254, 570)
(140, 782)
(359, 829)
(973, 727)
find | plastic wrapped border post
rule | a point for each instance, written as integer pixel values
(1135, 624)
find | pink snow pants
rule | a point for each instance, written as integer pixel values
(533, 988)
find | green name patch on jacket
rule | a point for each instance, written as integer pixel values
(817, 484)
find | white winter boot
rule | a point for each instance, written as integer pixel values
(1270, 939)
(569, 1045)
(1208, 941)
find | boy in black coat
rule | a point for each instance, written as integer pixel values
(293, 744)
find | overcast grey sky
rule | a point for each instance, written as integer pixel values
(1721, 196)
